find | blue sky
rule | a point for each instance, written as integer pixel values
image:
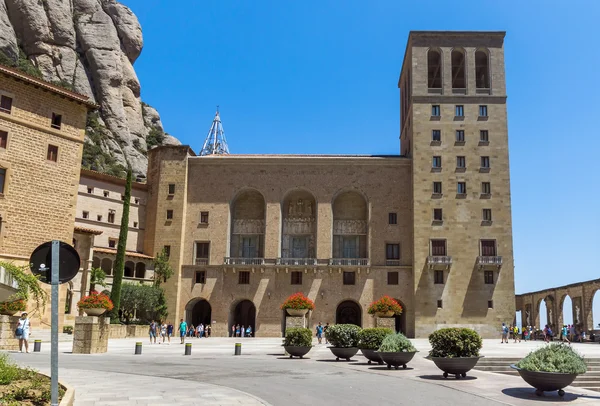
(321, 77)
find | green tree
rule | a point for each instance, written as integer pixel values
(143, 301)
(97, 277)
(119, 266)
(162, 268)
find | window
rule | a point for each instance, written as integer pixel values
(439, 304)
(392, 278)
(137, 200)
(482, 70)
(392, 252)
(487, 215)
(3, 139)
(201, 277)
(86, 214)
(460, 135)
(437, 215)
(488, 277)
(461, 188)
(438, 248)
(52, 154)
(90, 190)
(135, 224)
(244, 278)
(434, 69)
(99, 217)
(437, 188)
(56, 121)
(122, 197)
(490, 304)
(392, 218)
(2, 180)
(202, 249)
(438, 277)
(483, 111)
(204, 217)
(488, 248)
(484, 136)
(169, 214)
(111, 216)
(458, 70)
(106, 193)
(5, 104)
(459, 111)
(485, 162)
(436, 135)
(349, 278)
(437, 162)
(486, 188)
(461, 162)
(112, 243)
(171, 189)
(167, 250)
(435, 110)
(296, 278)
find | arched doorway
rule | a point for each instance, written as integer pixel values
(244, 314)
(567, 310)
(401, 319)
(596, 310)
(199, 311)
(348, 312)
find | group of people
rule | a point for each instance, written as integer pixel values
(568, 333)
(199, 331)
(163, 330)
(321, 330)
(241, 331)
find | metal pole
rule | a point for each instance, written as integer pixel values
(54, 341)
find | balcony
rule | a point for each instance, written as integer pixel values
(296, 261)
(489, 262)
(349, 261)
(8, 286)
(439, 262)
(243, 261)
(392, 262)
(201, 261)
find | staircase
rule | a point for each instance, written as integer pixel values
(590, 380)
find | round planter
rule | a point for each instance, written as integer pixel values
(395, 359)
(345, 353)
(297, 312)
(371, 355)
(94, 311)
(385, 314)
(546, 381)
(458, 366)
(296, 351)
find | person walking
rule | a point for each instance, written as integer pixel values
(237, 330)
(516, 334)
(22, 331)
(208, 331)
(192, 331)
(319, 332)
(152, 332)
(249, 331)
(233, 330)
(504, 330)
(243, 330)
(565, 334)
(163, 332)
(182, 330)
(169, 332)
(325, 332)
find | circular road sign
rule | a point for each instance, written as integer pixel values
(68, 262)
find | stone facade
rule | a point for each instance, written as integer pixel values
(8, 325)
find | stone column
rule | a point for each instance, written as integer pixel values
(90, 335)
(292, 322)
(8, 341)
(389, 322)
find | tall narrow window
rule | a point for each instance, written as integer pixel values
(111, 216)
(52, 154)
(169, 214)
(437, 188)
(487, 215)
(460, 135)
(112, 243)
(459, 110)
(437, 215)
(5, 104)
(3, 139)
(484, 136)
(204, 217)
(461, 162)
(56, 121)
(202, 250)
(86, 214)
(436, 135)
(349, 278)
(486, 188)
(392, 218)
(482, 70)
(434, 69)
(438, 248)
(438, 277)
(171, 189)
(167, 250)
(488, 248)
(488, 277)
(439, 304)
(437, 162)
(244, 278)
(200, 276)
(459, 80)
(2, 180)
(485, 162)
(435, 110)
(483, 111)
(392, 278)
(392, 252)
(296, 278)
(461, 188)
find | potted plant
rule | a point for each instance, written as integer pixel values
(455, 350)
(551, 368)
(298, 341)
(396, 350)
(297, 305)
(68, 329)
(385, 307)
(344, 340)
(369, 341)
(27, 289)
(95, 304)
(12, 307)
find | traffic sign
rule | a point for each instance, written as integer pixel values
(68, 265)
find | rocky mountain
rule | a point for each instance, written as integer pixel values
(88, 46)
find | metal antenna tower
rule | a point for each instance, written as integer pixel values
(215, 143)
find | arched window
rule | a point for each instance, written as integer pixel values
(434, 69)
(459, 80)
(128, 272)
(482, 70)
(140, 270)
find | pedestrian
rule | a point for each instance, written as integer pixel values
(582, 337)
(192, 331)
(325, 332)
(22, 331)
(249, 331)
(182, 330)
(152, 332)
(516, 334)
(504, 330)
(169, 331)
(207, 330)
(319, 332)
(243, 330)
(565, 334)
(233, 330)
(163, 331)
(237, 330)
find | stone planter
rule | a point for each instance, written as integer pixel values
(296, 351)
(345, 353)
(8, 312)
(371, 355)
(94, 311)
(546, 381)
(385, 314)
(297, 312)
(395, 359)
(458, 366)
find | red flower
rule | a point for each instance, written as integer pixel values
(96, 301)
(385, 304)
(298, 301)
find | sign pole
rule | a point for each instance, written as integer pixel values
(54, 342)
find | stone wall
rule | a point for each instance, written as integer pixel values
(8, 342)
(90, 335)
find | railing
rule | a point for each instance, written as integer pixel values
(201, 261)
(489, 260)
(297, 261)
(244, 261)
(439, 260)
(349, 261)
(392, 262)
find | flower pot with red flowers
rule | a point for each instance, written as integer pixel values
(297, 305)
(385, 307)
(12, 307)
(95, 304)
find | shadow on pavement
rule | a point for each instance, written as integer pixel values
(333, 360)
(276, 355)
(440, 377)
(384, 368)
(529, 394)
(294, 358)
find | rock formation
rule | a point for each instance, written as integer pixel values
(88, 46)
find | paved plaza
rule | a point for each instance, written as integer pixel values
(212, 375)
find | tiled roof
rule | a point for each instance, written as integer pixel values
(132, 254)
(84, 230)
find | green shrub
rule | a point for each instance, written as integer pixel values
(371, 338)
(396, 343)
(455, 342)
(10, 372)
(554, 358)
(298, 337)
(343, 335)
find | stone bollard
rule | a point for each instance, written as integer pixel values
(138, 348)
(238, 349)
(37, 345)
(188, 349)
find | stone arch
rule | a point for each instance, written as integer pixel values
(140, 270)
(459, 68)
(595, 309)
(243, 312)
(129, 270)
(434, 68)
(248, 210)
(106, 265)
(350, 226)
(298, 227)
(198, 311)
(96, 262)
(482, 69)
(348, 312)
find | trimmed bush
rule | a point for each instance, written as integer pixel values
(371, 338)
(298, 337)
(455, 342)
(554, 358)
(396, 343)
(343, 335)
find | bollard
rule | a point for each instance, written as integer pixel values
(188, 349)
(138, 348)
(37, 345)
(238, 349)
